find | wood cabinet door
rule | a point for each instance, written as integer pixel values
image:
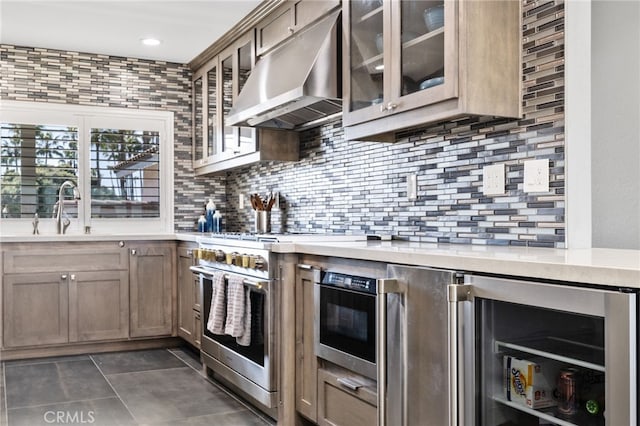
(35, 309)
(98, 306)
(306, 361)
(186, 295)
(151, 282)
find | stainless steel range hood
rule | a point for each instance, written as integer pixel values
(296, 84)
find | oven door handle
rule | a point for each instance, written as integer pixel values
(259, 284)
(384, 287)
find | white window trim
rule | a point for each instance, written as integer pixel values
(84, 118)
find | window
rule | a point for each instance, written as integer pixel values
(119, 160)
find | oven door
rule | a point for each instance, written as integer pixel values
(345, 328)
(243, 366)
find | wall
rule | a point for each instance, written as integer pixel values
(359, 187)
(615, 124)
(45, 75)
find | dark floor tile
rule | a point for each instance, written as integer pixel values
(95, 412)
(54, 382)
(189, 357)
(127, 362)
(172, 394)
(48, 360)
(236, 418)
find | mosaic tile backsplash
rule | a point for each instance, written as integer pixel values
(353, 187)
(360, 187)
(45, 75)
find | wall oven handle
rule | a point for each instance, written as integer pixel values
(384, 287)
(259, 284)
(349, 383)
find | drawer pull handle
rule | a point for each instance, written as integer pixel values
(349, 383)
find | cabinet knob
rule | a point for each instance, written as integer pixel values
(290, 29)
(121, 244)
(189, 252)
(73, 277)
(133, 252)
(391, 106)
(64, 276)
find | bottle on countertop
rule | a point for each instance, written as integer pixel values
(217, 221)
(210, 209)
(202, 224)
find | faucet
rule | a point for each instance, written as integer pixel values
(62, 225)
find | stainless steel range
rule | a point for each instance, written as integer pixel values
(226, 263)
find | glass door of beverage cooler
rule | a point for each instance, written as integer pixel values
(535, 354)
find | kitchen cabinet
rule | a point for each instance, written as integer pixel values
(306, 360)
(151, 290)
(98, 305)
(64, 295)
(345, 399)
(288, 19)
(217, 146)
(410, 63)
(35, 309)
(188, 296)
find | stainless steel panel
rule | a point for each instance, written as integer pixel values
(418, 367)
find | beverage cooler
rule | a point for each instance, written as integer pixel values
(543, 354)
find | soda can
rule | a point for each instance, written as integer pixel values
(568, 402)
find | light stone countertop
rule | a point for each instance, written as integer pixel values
(609, 267)
(592, 266)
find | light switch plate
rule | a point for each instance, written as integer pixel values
(493, 179)
(536, 175)
(412, 187)
(241, 201)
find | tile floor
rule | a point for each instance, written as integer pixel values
(150, 387)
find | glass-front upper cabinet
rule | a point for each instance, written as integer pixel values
(236, 63)
(428, 60)
(215, 87)
(205, 114)
(397, 49)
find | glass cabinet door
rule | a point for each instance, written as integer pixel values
(236, 64)
(366, 45)
(229, 133)
(245, 62)
(198, 122)
(212, 111)
(424, 29)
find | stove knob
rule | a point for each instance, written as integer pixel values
(261, 264)
(220, 256)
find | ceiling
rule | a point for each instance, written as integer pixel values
(116, 27)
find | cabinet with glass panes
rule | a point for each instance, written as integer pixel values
(410, 63)
(217, 146)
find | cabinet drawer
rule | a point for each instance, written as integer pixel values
(63, 258)
(275, 28)
(340, 405)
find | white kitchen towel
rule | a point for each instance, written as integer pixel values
(215, 322)
(235, 306)
(245, 338)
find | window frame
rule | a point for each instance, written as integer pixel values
(85, 118)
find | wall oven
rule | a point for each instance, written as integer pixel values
(345, 321)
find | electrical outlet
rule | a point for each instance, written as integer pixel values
(412, 187)
(536, 176)
(493, 179)
(241, 201)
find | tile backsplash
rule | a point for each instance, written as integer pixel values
(46, 75)
(355, 187)
(360, 187)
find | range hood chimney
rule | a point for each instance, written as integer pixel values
(296, 84)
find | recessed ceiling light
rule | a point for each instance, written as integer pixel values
(149, 41)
